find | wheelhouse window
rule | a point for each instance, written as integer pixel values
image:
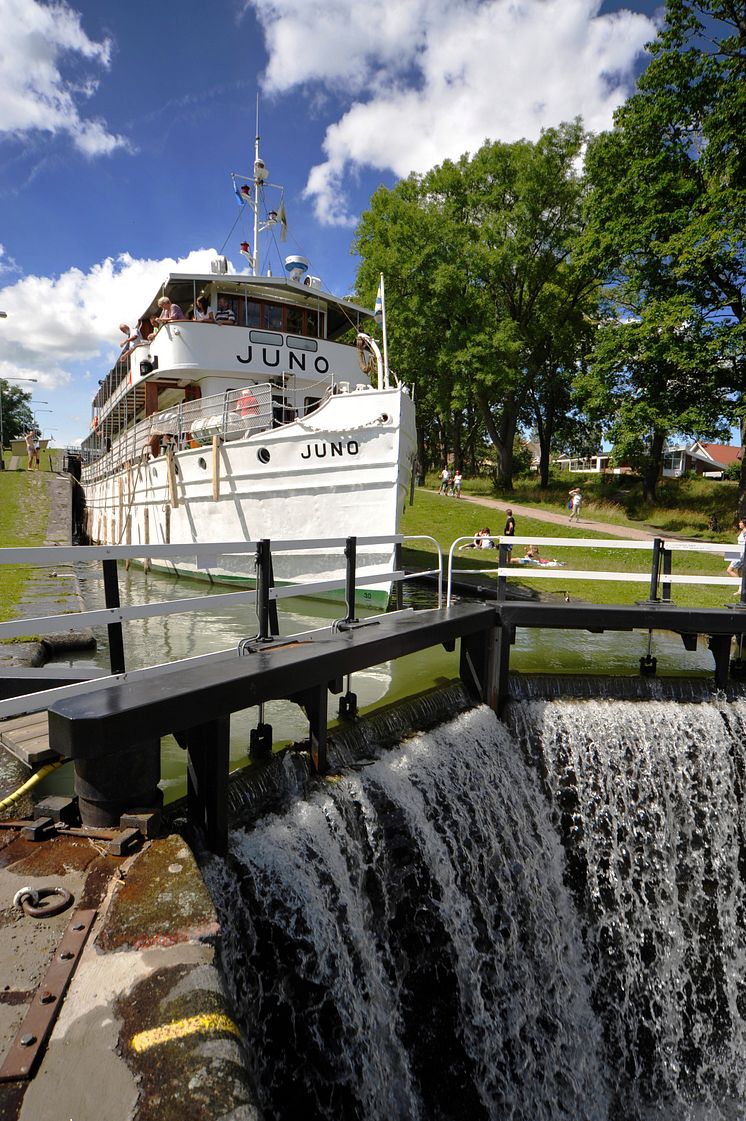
(251, 312)
(273, 317)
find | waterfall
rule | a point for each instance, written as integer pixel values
(539, 918)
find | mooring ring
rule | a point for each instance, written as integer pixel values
(31, 900)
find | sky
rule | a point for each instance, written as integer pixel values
(121, 123)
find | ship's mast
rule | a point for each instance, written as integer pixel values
(259, 179)
(258, 183)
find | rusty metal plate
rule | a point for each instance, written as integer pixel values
(36, 1028)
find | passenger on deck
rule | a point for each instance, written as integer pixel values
(136, 337)
(170, 312)
(225, 313)
(202, 313)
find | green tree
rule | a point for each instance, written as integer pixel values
(480, 279)
(665, 227)
(16, 413)
(647, 382)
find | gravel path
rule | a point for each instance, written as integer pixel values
(628, 531)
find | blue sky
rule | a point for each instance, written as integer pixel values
(121, 122)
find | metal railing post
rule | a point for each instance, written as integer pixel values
(655, 568)
(266, 610)
(398, 590)
(666, 586)
(351, 561)
(111, 596)
(503, 560)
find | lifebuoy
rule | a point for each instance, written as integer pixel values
(247, 405)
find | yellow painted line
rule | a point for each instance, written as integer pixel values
(208, 1023)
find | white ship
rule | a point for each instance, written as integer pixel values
(257, 422)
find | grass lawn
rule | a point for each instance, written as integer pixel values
(24, 511)
(683, 506)
(446, 519)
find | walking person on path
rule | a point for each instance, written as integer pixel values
(445, 478)
(32, 448)
(456, 486)
(575, 502)
(735, 567)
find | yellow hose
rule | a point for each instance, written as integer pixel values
(30, 783)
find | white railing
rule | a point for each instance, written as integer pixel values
(115, 616)
(231, 415)
(543, 571)
(234, 414)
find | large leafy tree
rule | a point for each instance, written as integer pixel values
(481, 282)
(665, 226)
(17, 415)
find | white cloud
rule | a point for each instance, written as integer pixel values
(59, 327)
(420, 81)
(36, 40)
(7, 264)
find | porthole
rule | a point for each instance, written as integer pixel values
(202, 463)
(263, 455)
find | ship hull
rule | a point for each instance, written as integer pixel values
(344, 470)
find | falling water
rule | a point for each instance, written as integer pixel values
(537, 919)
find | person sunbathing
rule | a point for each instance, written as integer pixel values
(532, 557)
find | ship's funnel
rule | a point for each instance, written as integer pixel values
(295, 267)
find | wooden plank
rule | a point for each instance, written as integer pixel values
(27, 739)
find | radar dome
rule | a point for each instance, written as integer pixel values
(295, 267)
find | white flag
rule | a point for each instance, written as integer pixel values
(378, 309)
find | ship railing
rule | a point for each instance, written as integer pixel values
(658, 576)
(264, 596)
(231, 415)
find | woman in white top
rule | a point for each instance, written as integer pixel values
(576, 501)
(202, 313)
(735, 566)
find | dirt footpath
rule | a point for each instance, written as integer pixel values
(610, 530)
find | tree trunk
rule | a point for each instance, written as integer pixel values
(651, 471)
(502, 438)
(456, 444)
(742, 479)
(545, 432)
